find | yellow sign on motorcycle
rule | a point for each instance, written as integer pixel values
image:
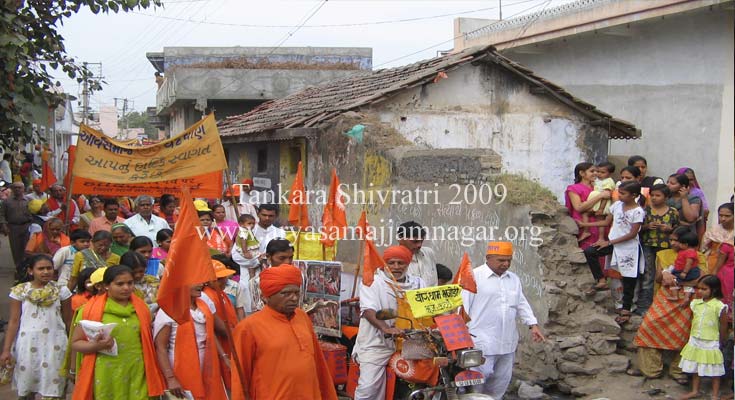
(434, 300)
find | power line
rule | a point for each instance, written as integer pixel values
(345, 25)
(456, 37)
(301, 25)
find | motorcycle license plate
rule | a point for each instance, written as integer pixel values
(468, 378)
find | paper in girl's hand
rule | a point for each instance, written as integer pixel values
(93, 329)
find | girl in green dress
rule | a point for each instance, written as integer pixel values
(702, 355)
(133, 373)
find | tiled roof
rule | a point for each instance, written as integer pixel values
(321, 103)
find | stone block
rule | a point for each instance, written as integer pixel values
(615, 362)
(576, 256)
(526, 391)
(571, 341)
(600, 323)
(602, 344)
(567, 225)
(576, 354)
(590, 367)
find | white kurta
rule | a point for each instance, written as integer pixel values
(141, 227)
(493, 310)
(264, 236)
(423, 265)
(626, 255)
(372, 351)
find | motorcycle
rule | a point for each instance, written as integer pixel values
(455, 376)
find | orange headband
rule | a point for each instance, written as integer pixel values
(500, 248)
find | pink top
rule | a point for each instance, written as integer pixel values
(230, 228)
(583, 191)
(159, 253)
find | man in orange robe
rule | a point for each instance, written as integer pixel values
(277, 347)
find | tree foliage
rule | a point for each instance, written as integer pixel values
(32, 49)
(137, 119)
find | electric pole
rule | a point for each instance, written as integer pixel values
(85, 89)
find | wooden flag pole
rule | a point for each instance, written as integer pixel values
(235, 204)
(67, 223)
(235, 356)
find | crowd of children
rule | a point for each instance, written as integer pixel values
(647, 220)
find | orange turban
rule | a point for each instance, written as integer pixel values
(274, 279)
(500, 248)
(399, 252)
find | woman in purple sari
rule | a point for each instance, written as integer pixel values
(696, 190)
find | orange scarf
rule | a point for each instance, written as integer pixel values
(93, 310)
(206, 384)
(225, 309)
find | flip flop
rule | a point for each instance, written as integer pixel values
(634, 372)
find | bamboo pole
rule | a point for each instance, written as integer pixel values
(235, 356)
(235, 204)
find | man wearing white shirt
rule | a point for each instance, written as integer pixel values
(411, 235)
(144, 223)
(264, 232)
(493, 311)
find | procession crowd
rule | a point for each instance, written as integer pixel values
(86, 260)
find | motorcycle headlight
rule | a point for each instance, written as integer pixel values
(470, 358)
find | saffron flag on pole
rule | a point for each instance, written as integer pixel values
(465, 277)
(363, 229)
(70, 156)
(298, 213)
(188, 263)
(372, 261)
(47, 176)
(334, 220)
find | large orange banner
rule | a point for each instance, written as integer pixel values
(194, 152)
(207, 186)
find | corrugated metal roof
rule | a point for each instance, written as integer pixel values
(321, 103)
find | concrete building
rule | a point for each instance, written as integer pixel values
(666, 65)
(234, 80)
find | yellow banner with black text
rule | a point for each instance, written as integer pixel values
(434, 300)
(196, 151)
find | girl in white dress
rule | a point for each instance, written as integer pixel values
(40, 312)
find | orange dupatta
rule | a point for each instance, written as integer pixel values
(226, 310)
(206, 384)
(93, 310)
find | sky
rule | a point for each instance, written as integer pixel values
(120, 41)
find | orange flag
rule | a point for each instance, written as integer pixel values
(71, 155)
(188, 263)
(298, 213)
(372, 262)
(334, 220)
(362, 231)
(47, 176)
(465, 277)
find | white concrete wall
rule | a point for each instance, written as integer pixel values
(482, 107)
(672, 77)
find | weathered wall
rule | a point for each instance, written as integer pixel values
(546, 257)
(360, 57)
(672, 77)
(485, 107)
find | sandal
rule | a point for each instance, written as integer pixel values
(634, 372)
(684, 381)
(623, 317)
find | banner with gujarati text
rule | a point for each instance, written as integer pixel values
(434, 300)
(206, 186)
(194, 152)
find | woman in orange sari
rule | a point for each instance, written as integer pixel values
(666, 324)
(49, 240)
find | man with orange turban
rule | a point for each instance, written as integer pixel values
(493, 310)
(372, 349)
(277, 348)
